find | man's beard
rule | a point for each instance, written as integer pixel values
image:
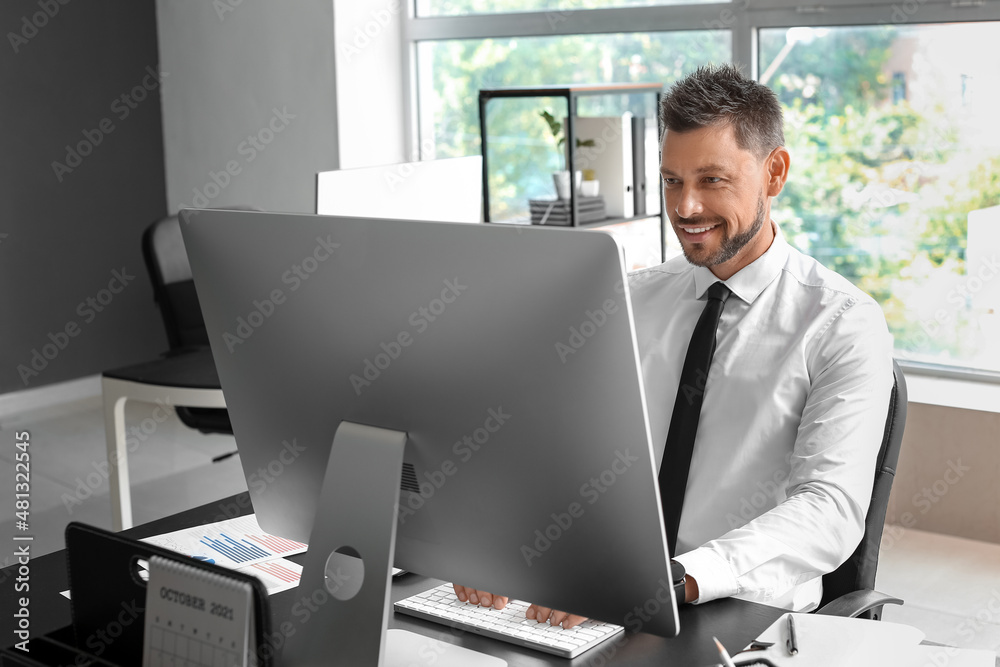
(731, 245)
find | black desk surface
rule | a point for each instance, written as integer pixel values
(734, 622)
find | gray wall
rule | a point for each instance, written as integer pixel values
(63, 235)
(948, 479)
(229, 72)
(249, 116)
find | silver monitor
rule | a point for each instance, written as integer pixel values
(503, 357)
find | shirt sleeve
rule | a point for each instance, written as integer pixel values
(832, 470)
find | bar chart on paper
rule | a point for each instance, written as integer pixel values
(276, 575)
(232, 543)
(278, 571)
(241, 551)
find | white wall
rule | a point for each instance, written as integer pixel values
(370, 82)
(250, 87)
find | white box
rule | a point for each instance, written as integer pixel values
(610, 158)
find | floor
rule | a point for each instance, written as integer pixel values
(172, 469)
(951, 586)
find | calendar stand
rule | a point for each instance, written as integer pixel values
(109, 601)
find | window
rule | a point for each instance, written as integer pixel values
(895, 178)
(453, 71)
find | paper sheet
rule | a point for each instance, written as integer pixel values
(276, 575)
(834, 640)
(233, 543)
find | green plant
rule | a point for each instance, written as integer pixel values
(556, 128)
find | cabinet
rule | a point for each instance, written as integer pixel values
(618, 125)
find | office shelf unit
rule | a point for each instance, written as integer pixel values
(620, 97)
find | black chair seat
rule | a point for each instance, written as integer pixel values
(184, 375)
(193, 369)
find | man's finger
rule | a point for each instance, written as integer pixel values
(557, 617)
(484, 598)
(487, 599)
(572, 620)
(540, 614)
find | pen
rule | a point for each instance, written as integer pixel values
(792, 644)
(726, 660)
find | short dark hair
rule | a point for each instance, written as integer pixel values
(720, 95)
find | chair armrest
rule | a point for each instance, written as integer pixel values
(856, 602)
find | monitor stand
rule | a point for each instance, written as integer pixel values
(348, 567)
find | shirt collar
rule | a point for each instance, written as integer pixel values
(750, 281)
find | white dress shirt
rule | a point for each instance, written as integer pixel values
(794, 410)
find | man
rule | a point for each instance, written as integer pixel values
(795, 401)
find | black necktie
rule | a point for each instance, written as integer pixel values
(687, 410)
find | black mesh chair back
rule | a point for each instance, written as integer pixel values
(174, 292)
(173, 288)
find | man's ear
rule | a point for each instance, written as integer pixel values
(777, 165)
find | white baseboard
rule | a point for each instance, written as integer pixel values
(16, 403)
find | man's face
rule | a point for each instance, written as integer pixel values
(715, 193)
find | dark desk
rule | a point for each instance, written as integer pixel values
(734, 622)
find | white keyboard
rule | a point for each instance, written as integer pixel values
(509, 624)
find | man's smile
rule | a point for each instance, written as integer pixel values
(697, 234)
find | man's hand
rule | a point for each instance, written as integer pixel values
(534, 612)
(482, 598)
(691, 592)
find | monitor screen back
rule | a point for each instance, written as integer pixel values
(506, 354)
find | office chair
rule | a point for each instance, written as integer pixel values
(849, 590)
(183, 379)
(174, 292)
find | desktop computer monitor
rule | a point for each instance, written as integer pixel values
(507, 357)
